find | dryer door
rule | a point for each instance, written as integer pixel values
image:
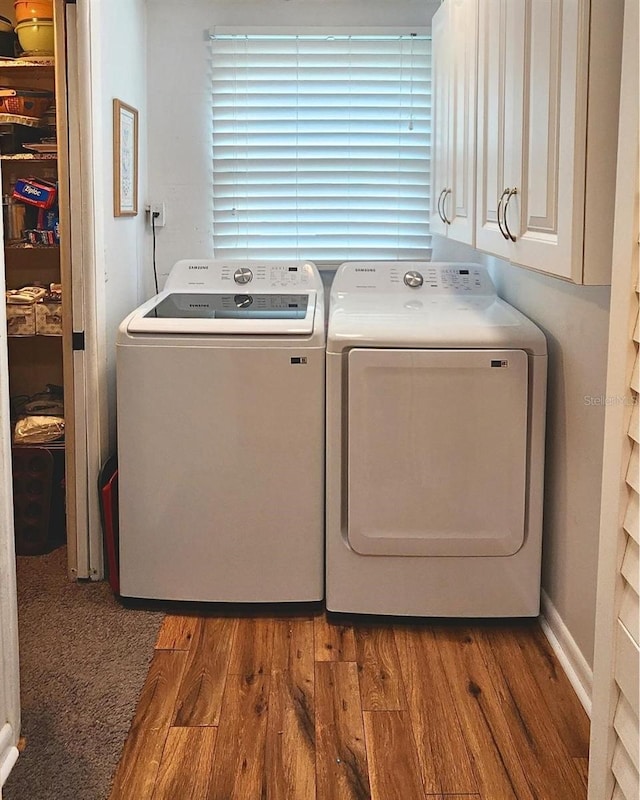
(437, 452)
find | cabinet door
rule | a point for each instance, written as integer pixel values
(440, 116)
(500, 85)
(459, 203)
(545, 216)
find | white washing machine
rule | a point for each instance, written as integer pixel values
(221, 435)
(435, 444)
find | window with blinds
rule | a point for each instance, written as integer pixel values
(321, 146)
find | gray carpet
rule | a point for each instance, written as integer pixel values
(84, 659)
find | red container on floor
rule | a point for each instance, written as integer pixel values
(108, 488)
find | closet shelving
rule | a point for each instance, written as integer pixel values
(38, 360)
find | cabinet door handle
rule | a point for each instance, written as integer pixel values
(438, 206)
(444, 200)
(504, 214)
(502, 231)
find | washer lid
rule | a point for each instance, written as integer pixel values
(226, 313)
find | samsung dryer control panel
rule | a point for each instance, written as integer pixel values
(408, 277)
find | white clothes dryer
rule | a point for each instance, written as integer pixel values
(220, 392)
(435, 444)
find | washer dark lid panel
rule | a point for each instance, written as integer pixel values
(226, 313)
(230, 306)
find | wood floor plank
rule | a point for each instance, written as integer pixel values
(476, 719)
(393, 762)
(252, 648)
(140, 760)
(199, 699)
(540, 749)
(293, 647)
(443, 755)
(381, 687)
(238, 763)
(567, 713)
(194, 746)
(290, 746)
(333, 642)
(495, 757)
(290, 765)
(176, 632)
(341, 759)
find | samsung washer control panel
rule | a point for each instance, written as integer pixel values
(414, 276)
(205, 275)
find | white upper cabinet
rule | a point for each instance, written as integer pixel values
(454, 119)
(547, 125)
(500, 69)
(439, 116)
(529, 205)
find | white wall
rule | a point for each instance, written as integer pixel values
(575, 320)
(118, 67)
(179, 107)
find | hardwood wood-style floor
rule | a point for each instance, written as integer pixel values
(304, 709)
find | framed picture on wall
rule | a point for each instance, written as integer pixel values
(125, 159)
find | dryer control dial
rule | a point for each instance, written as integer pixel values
(413, 279)
(242, 275)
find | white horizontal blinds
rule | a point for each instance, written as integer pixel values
(321, 146)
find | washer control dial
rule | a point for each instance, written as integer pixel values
(242, 300)
(242, 275)
(413, 279)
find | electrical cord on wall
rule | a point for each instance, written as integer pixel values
(154, 215)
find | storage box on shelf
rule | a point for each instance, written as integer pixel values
(48, 318)
(21, 319)
(34, 311)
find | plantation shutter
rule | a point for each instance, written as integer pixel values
(321, 146)
(614, 759)
(626, 755)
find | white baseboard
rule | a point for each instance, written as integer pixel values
(569, 655)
